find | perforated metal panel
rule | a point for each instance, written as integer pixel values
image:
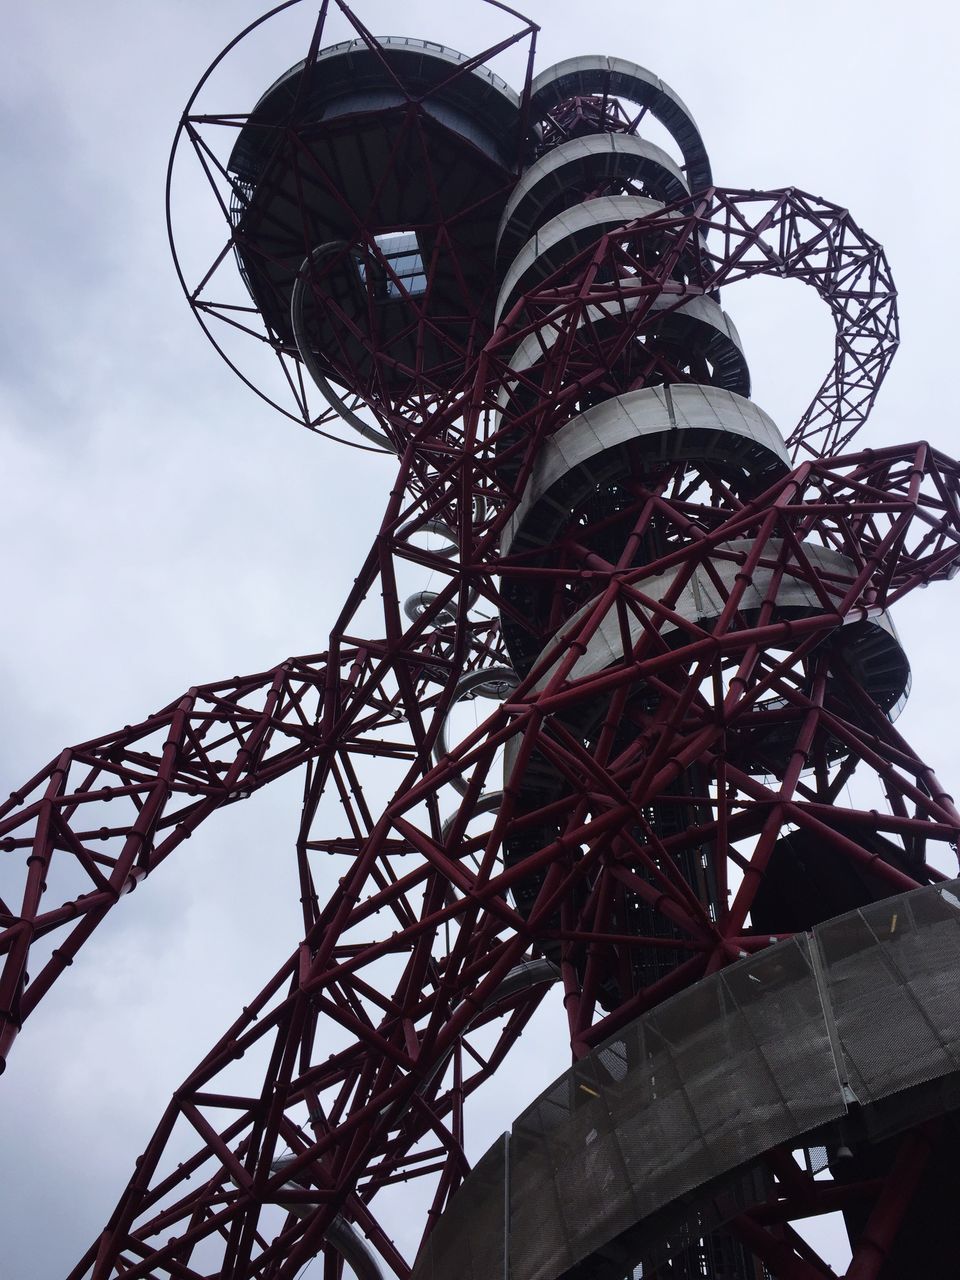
(476, 1253)
(891, 972)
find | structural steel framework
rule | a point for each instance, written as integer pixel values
(675, 620)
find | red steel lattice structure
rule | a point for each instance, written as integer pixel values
(683, 629)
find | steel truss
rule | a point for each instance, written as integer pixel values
(433, 925)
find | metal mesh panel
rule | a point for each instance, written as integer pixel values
(891, 976)
(468, 1241)
(658, 1240)
(778, 993)
(815, 1159)
(538, 1238)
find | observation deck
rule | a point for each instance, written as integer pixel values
(369, 189)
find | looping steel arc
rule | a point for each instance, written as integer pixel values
(684, 777)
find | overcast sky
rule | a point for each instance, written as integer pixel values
(161, 527)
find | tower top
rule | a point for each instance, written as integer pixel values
(371, 193)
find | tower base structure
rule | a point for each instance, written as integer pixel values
(834, 1052)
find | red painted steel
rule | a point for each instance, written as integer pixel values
(402, 964)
